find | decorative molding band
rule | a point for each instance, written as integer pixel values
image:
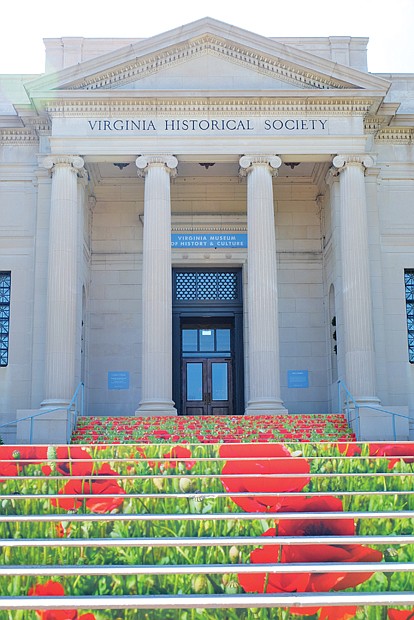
(18, 137)
(205, 229)
(40, 124)
(373, 124)
(399, 135)
(208, 44)
(241, 107)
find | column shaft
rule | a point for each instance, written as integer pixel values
(61, 310)
(157, 288)
(357, 302)
(263, 321)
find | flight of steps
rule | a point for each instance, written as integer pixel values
(206, 531)
(212, 429)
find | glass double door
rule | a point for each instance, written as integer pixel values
(207, 369)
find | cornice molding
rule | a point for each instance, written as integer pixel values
(213, 45)
(208, 228)
(399, 135)
(18, 137)
(381, 127)
(373, 124)
(197, 106)
(40, 124)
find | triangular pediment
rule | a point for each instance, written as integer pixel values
(207, 70)
(208, 55)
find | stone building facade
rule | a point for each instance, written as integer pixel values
(206, 222)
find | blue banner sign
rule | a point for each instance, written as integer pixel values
(298, 378)
(118, 380)
(220, 240)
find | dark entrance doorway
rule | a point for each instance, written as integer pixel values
(208, 342)
(207, 367)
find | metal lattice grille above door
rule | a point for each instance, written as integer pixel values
(206, 286)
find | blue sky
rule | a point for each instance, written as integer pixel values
(389, 26)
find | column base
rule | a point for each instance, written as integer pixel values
(265, 407)
(151, 408)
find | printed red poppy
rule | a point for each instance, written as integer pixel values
(309, 582)
(349, 449)
(337, 613)
(327, 553)
(8, 462)
(71, 461)
(161, 434)
(14, 458)
(262, 466)
(403, 451)
(95, 488)
(401, 614)
(319, 526)
(54, 588)
(180, 453)
(325, 613)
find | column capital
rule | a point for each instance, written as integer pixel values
(342, 161)
(143, 162)
(72, 161)
(247, 162)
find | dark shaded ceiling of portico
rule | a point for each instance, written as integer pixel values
(110, 172)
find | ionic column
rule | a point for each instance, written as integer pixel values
(61, 346)
(358, 334)
(262, 303)
(156, 286)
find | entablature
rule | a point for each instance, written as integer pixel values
(105, 105)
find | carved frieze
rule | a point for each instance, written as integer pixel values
(224, 106)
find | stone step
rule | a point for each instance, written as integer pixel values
(207, 531)
(206, 429)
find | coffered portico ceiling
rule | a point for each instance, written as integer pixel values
(239, 67)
